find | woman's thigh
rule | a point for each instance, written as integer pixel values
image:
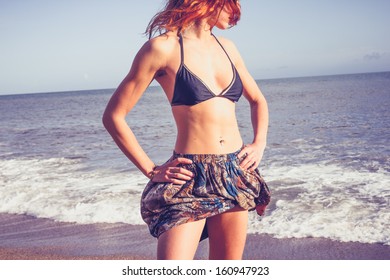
(180, 242)
(227, 234)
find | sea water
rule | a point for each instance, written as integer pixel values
(327, 160)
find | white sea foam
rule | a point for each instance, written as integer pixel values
(327, 201)
(308, 200)
(56, 188)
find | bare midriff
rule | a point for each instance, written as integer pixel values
(209, 127)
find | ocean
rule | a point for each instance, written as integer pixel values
(327, 161)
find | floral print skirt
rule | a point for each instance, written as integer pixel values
(219, 185)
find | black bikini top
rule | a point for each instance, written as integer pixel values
(190, 89)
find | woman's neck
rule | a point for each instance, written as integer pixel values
(200, 31)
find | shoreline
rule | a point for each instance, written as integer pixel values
(24, 237)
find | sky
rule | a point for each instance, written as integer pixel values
(65, 45)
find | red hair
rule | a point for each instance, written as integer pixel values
(179, 14)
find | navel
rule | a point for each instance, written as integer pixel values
(221, 141)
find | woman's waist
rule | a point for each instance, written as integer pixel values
(212, 143)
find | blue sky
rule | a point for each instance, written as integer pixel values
(89, 44)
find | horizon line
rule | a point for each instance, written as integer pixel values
(258, 79)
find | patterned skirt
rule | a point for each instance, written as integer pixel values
(219, 185)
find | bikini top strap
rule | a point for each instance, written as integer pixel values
(222, 48)
(181, 49)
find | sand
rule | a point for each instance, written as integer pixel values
(27, 238)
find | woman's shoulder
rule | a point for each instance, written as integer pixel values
(158, 51)
(229, 46)
(226, 43)
(165, 43)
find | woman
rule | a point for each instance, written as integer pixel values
(207, 187)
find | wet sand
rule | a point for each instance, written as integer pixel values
(27, 238)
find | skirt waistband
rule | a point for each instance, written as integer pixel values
(209, 157)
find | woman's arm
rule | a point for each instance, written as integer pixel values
(259, 112)
(259, 118)
(148, 61)
(123, 100)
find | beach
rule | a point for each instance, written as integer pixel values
(27, 238)
(67, 191)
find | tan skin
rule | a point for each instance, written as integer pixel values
(159, 59)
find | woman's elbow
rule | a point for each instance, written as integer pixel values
(108, 119)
